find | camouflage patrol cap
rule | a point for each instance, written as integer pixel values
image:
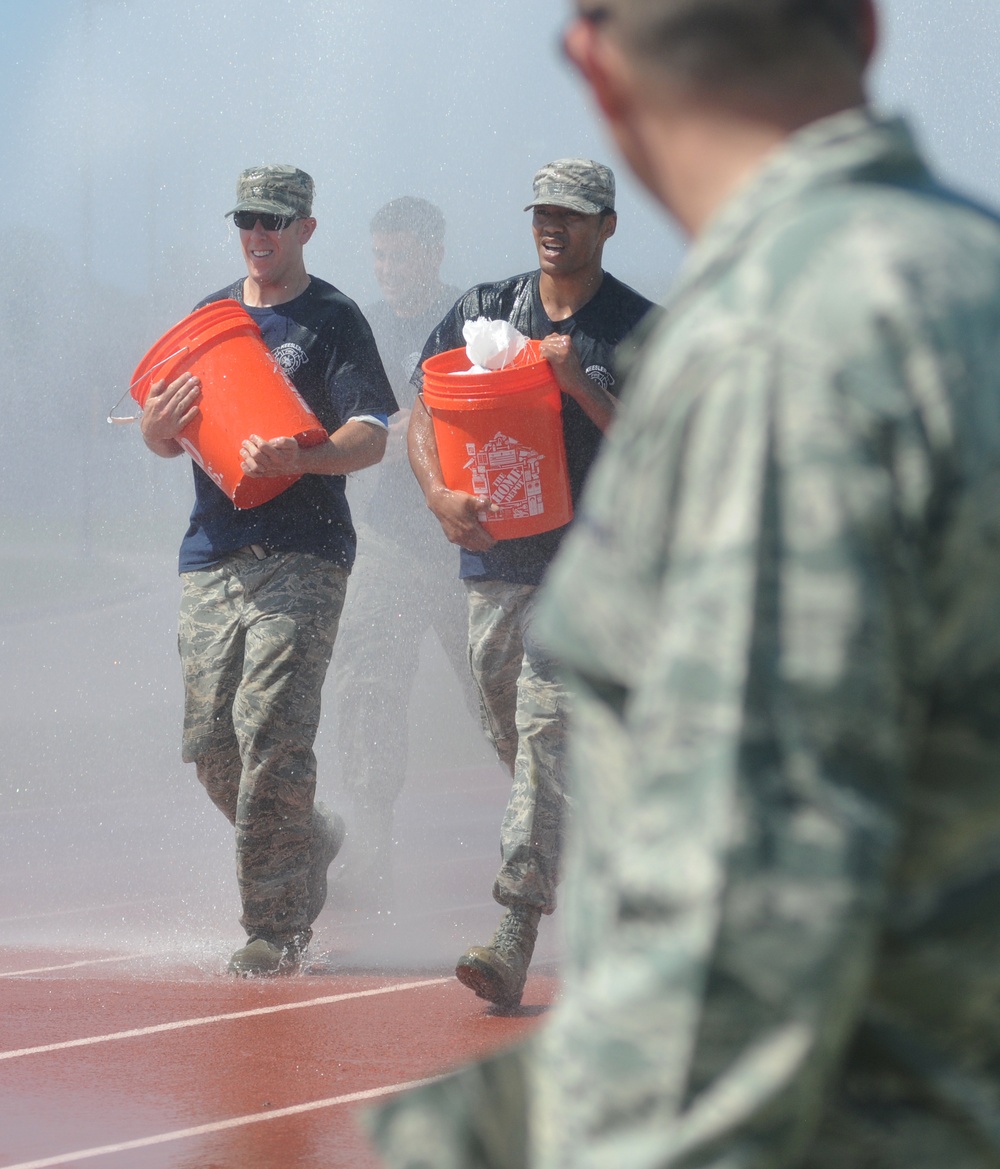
(577, 183)
(277, 190)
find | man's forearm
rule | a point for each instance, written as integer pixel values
(456, 511)
(353, 447)
(422, 450)
(594, 400)
(166, 448)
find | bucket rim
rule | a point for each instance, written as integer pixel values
(454, 384)
(527, 359)
(212, 320)
(499, 400)
(215, 313)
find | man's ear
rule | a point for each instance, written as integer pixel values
(599, 62)
(306, 228)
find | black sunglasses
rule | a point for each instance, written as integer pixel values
(245, 220)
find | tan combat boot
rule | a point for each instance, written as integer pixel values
(497, 972)
(261, 958)
(329, 831)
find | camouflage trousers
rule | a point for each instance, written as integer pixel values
(488, 1116)
(524, 707)
(476, 1118)
(255, 640)
(393, 598)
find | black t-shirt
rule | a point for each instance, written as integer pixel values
(324, 344)
(394, 504)
(597, 329)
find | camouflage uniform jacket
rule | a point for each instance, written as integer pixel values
(781, 609)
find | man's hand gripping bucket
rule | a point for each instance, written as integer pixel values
(244, 392)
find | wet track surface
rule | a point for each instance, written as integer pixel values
(122, 1041)
(165, 1066)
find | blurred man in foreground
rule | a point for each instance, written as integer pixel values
(262, 588)
(779, 608)
(580, 313)
(404, 581)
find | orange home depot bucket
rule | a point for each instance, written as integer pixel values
(243, 391)
(500, 435)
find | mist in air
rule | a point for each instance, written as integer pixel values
(125, 124)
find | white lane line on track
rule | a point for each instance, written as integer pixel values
(74, 965)
(181, 1024)
(218, 1126)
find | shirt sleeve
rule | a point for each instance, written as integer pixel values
(727, 606)
(356, 378)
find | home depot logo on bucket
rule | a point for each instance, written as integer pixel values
(499, 435)
(510, 474)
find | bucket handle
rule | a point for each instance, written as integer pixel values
(112, 418)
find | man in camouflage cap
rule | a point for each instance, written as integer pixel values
(579, 313)
(577, 183)
(262, 588)
(780, 611)
(275, 190)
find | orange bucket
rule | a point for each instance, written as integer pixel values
(243, 391)
(500, 435)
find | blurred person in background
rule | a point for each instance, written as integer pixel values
(262, 588)
(403, 582)
(580, 313)
(780, 616)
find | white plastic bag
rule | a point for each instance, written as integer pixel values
(491, 345)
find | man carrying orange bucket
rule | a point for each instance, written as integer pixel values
(263, 587)
(580, 314)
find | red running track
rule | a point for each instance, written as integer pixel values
(114, 1063)
(118, 905)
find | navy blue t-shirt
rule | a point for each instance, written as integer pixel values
(323, 342)
(597, 329)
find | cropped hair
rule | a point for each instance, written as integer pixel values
(720, 41)
(411, 214)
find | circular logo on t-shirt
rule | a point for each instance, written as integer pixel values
(290, 357)
(410, 363)
(603, 377)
